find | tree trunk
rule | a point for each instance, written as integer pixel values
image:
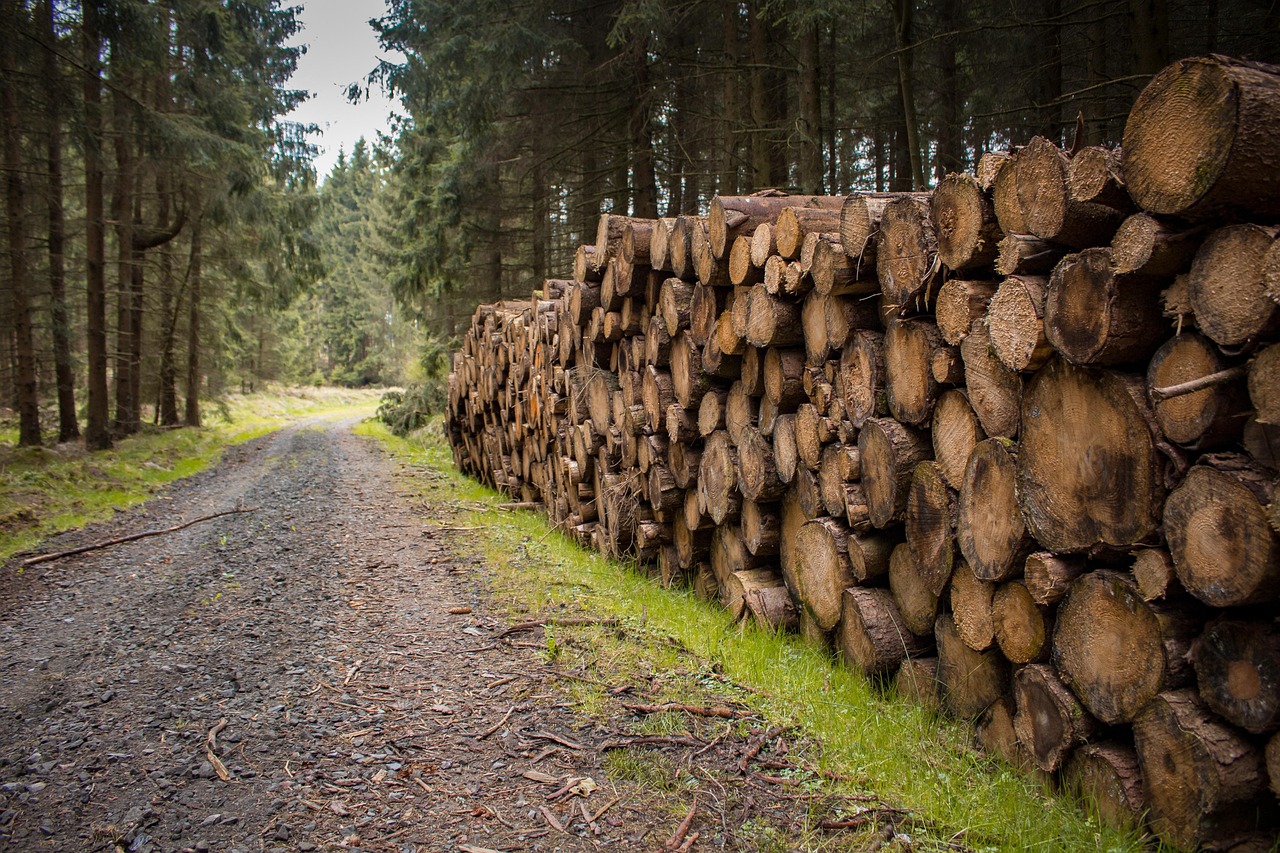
(873, 636)
(195, 276)
(97, 435)
(971, 681)
(965, 222)
(122, 210)
(903, 14)
(64, 373)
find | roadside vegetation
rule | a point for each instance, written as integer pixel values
(856, 740)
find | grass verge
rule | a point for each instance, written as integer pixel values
(872, 741)
(44, 491)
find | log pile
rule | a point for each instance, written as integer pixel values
(1011, 446)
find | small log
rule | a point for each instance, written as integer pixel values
(771, 322)
(960, 303)
(1022, 254)
(994, 390)
(971, 599)
(916, 603)
(785, 449)
(1094, 174)
(1049, 576)
(1153, 570)
(971, 681)
(795, 223)
(784, 378)
(1022, 628)
(1094, 316)
(741, 271)
(674, 303)
(739, 585)
(872, 635)
(761, 527)
(1227, 288)
(889, 453)
(862, 375)
(1107, 776)
(930, 524)
(1146, 245)
(990, 529)
(839, 465)
(1004, 196)
(955, 433)
(1201, 418)
(718, 478)
(758, 478)
(1016, 321)
(910, 387)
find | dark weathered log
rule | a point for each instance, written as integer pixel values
(1088, 470)
(971, 599)
(890, 451)
(965, 220)
(1200, 138)
(1022, 628)
(930, 524)
(761, 526)
(1050, 721)
(916, 603)
(773, 609)
(917, 682)
(784, 378)
(1237, 666)
(1117, 651)
(738, 586)
(1047, 206)
(971, 681)
(839, 465)
(1224, 549)
(989, 527)
(1227, 288)
(862, 376)
(1015, 318)
(906, 254)
(910, 387)
(873, 636)
(1201, 777)
(994, 390)
(1106, 775)
(997, 738)
(1094, 316)
(955, 433)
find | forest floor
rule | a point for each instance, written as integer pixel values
(328, 670)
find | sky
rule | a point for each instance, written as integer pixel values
(341, 49)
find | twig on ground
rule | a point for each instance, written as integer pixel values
(648, 740)
(484, 734)
(542, 623)
(676, 841)
(695, 710)
(120, 540)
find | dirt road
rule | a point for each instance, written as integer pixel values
(289, 678)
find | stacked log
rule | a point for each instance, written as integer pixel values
(1010, 446)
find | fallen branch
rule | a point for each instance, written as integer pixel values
(676, 841)
(47, 558)
(484, 734)
(694, 710)
(648, 740)
(542, 623)
(1190, 387)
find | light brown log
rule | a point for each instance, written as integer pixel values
(792, 513)
(763, 246)
(689, 382)
(910, 387)
(732, 216)
(659, 393)
(930, 524)
(636, 238)
(722, 355)
(1106, 775)
(1050, 721)
(971, 608)
(660, 243)
(740, 411)
(917, 682)
(692, 544)
(1022, 254)
(609, 236)
(739, 585)
(1153, 570)
(775, 275)
(955, 433)
(585, 268)
(1094, 316)
(729, 555)
(1095, 174)
(988, 168)
(785, 449)
(1237, 666)
(1200, 138)
(1201, 777)
(1203, 419)
(784, 378)
(1115, 650)
(1227, 290)
(711, 411)
(1015, 318)
(741, 271)
(989, 528)
(752, 376)
(860, 217)
(681, 428)
(839, 465)
(757, 473)
(1047, 206)
(813, 316)
(796, 223)
(872, 635)
(916, 603)
(1224, 549)
(674, 303)
(834, 273)
(994, 390)
(705, 306)
(1004, 196)
(1147, 245)
(1022, 628)
(947, 366)
(678, 256)
(889, 453)
(812, 430)
(965, 220)
(960, 303)
(718, 478)
(845, 314)
(906, 254)
(583, 299)
(822, 569)
(761, 527)
(862, 376)
(772, 321)
(712, 270)
(971, 681)
(1088, 470)
(657, 343)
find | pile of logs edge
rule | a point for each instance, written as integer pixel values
(1010, 445)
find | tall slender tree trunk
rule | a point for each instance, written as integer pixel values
(167, 393)
(122, 212)
(1150, 35)
(645, 196)
(16, 208)
(541, 208)
(761, 105)
(904, 15)
(1096, 73)
(137, 257)
(64, 374)
(950, 145)
(730, 119)
(97, 436)
(834, 159)
(194, 276)
(1049, 88)
(810, 114)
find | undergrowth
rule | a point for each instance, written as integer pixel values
(682, 648)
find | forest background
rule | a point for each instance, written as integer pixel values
(166, 238)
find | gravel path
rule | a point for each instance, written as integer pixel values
(306, 652)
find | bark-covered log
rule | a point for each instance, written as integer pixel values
(994, 390)
(1022, 627)
(1200, 139)
(1022, 254)
(906, 252)
(862, 375)
(1202, 419)
(1050, 721)
(890, 451)
(872, 635)
(1224, 549)
(930, 524)
(1049, 576)
(733, 216)
(1237, 666)
(1264, 385)
(1107, 776)
(1048, 208)
(1202, 779)
(967, 231)
(1117, 651)
(955, 433)
(971, 681)
(1094, 316)
(917, 682)
(1088, 470)
(917, 604)
(960, 303)
(990, 529)
(1227, 288)
(1016, 321)
(910, 387)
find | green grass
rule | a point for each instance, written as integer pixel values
(44, 491)
(901, 753)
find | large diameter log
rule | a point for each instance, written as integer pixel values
(1088, 470)
(862, 376)
(955, 433)
(718, 478)
(994, 390)
(1016, 320)
(1115, 650)
(1022, 627)
(965, 221)
(1200, 139)
(930, 524)
(1237, 666)
(916, 603)
(1106, 775)
(796, 223)
(1224, 549)
(990, 528)
(1227, 288)
(889, 453)
(732, 216)
(906, 250)
(1050, 721)
(1095, 175)
(1049, 210)
(860, 217)
(822, 570)
(1201, 777)
(971, 681)
(1094, 316)
(1203, 419)
(872, 634)
(909, 346)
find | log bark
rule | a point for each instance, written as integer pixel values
(872, 636)
(1022, 628)
(1015, 318)
(971, 599)
(960, 303)
(733, 216)
(916, 603)
(971, 681)
(1201, 777)
(955, 433)
(1048, 576)
(890, 451)
(1115, 650)
(1088, 471)
(1147, 245)
(796, 223)
(930, 524)
(906, 254)
(1048, 209)
(862, 375)
(1227, 291)
(994, 390)
(990, 529)
(1237, 666)
(965, 220)
(1095, 174)
(1203, 419)
(1050, 721)
(910, 386)
(917, 682)
(1224, 549)
(1264, 385)
(1106, 775)
(1094, 316)
(1199, 136)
